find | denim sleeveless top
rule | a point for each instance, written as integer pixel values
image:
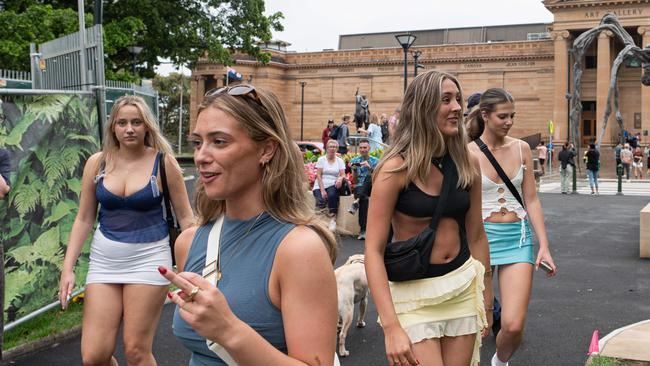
(136, 218)
(246, 268)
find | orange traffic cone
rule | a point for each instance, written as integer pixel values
(593, 346)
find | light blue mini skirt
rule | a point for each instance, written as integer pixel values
(510, 242)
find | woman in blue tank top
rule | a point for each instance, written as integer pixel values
(131, 239)
(275, 294)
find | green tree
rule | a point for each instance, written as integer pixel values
(179, 30)
(169, 95)
(36, 24)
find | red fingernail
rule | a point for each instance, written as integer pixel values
(162, 270)
(169, 294)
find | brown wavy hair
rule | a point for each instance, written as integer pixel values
(474, 123)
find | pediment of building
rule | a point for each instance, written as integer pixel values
(555, 5)
(585, 14)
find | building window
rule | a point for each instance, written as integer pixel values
(588, 106)
(590, 62)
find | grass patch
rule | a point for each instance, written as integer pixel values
(602, 361)
(51, 322)
(608, 361)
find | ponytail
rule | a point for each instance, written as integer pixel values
(474, 124)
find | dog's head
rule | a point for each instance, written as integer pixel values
(355, 258)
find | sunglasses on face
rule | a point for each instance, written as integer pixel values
(240, 90)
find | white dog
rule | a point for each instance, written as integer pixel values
(352, 286)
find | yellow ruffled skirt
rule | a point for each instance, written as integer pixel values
(446, 306)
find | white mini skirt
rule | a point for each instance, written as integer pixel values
(129, 263)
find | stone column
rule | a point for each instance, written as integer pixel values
(560, 103)
(644, 31)
(603, 71)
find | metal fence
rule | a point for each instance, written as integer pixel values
(72, 62)
(12, 79)
(116, 89)
(57, 64)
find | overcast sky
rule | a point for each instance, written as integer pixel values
(313, 25)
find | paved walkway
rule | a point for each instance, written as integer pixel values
(601, 284)
(606, 187)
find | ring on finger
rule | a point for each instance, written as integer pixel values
(195, 290)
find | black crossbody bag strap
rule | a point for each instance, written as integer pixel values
(497, 167)
(163, 178)
(446, 184)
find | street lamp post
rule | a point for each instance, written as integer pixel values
(135, 51)
(416, 55)
(302, 109)
(180, 114)
(405, 40)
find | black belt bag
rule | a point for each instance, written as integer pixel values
(409, 260)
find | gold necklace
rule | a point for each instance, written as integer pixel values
(235, 245)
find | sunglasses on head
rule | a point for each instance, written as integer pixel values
(236, 91)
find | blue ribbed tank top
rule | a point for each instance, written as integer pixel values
(246, 267)
(136, 218)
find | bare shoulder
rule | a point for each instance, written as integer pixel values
(393, 163)
(93, 162)
(474, 159)
(187, 235)
(523, 145)
(473, 147)
(302, 244)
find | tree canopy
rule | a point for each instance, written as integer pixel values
(169, 95)
(179, 30)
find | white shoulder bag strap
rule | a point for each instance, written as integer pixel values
(210, 274)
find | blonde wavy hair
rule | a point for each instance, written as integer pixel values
(153, 137)
(285, 192)
(417, 138)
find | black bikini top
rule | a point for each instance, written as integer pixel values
(412, 201)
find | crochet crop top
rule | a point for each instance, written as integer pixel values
(497, 196)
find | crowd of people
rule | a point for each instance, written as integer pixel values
(458, 177)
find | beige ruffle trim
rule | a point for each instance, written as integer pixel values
(412, 295)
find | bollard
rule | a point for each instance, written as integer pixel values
(619, 173)
(575, 180)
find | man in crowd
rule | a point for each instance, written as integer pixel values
(567, 164)
(343, 134)
(362, 167)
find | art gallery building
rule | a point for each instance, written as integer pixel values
(529, 60)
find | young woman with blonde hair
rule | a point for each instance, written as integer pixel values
(437, 319)
(275, 296)
(507, 221)
(131, 240)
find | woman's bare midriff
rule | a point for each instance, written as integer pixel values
(447, 242)
(502, 217)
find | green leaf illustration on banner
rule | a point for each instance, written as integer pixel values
(49, 138)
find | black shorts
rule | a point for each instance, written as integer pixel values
(542, 161)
